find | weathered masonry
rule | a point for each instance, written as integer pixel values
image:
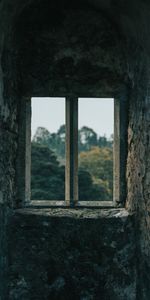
(83, 48)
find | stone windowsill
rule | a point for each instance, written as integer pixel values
(75, 213)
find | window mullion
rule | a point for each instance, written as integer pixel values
(71, 182)
(116, 153)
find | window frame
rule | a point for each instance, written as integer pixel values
(71, 173)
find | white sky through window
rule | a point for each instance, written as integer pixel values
(96, 113)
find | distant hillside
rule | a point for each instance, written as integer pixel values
(48, 165)
(87, 139)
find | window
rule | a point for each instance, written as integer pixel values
(48, 149)
(80, 186)
(95, 149)
(72, 176)
(73, 109)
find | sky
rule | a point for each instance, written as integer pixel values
(96, 113)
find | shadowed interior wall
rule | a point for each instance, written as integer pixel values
(79, 254)
(138, 171)
(99, 49)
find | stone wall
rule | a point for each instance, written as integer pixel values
(72, 254)
(8, 144)
(121, 33)
(79, 55)
(138, 171)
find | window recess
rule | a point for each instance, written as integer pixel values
(74, 139)
(75, 193)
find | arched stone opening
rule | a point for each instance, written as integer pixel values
(80, 55)
(118, 65)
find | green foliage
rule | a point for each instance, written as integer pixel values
(104, 142)
(47, 176)
(99, 163)
(48, 170)
(54, 141)
(87, 138)
(88, 190)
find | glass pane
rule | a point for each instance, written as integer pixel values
(48, 149)
(95, 144)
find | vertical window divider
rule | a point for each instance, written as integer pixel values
(71, 181)
(24, 154)
(116, 153)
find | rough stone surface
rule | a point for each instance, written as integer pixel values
(39, 43)
(138, 173)
(80, 54)
(72, 254)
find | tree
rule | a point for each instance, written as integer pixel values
(88, 190)
(99, 163)
(54, 141)
(48, 160)
(87, 138)
(104, 142)
(47, 176)
(62, 132)
(42, 136)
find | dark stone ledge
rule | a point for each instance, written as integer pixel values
(74, 213)
(61, 253)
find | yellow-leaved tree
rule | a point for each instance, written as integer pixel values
(99, 163)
